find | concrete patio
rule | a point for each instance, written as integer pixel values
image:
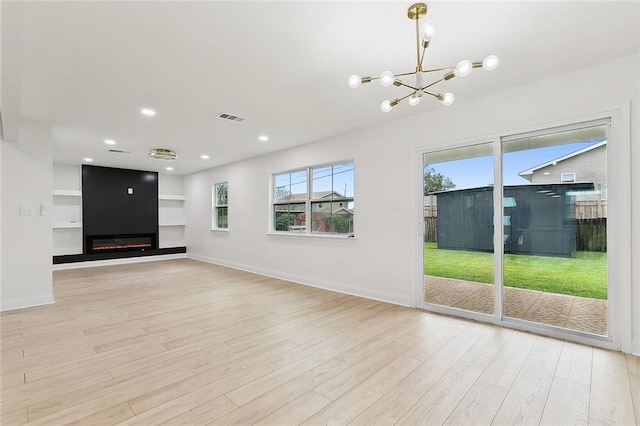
(575, 313)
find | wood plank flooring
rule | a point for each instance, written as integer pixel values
(182, 342)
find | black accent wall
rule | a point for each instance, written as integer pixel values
(119, 202)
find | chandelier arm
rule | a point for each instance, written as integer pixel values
(398, 100)
(437, 69)
(408, 86)
(429, 85)
(429, 93)
(418, 59)
(419, 68)
(405, 73)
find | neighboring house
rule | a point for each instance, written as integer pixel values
(326, 206)
(588, 165)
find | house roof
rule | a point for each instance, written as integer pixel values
(555, 161)
(316, 196)
(570, 185)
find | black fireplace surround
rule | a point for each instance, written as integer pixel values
(119, 210)
(119, 216)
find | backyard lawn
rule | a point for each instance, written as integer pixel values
(584, 274)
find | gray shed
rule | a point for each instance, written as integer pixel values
(538, 219)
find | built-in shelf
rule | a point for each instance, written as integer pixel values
(67, 225)
(171, 224)
(171, 197)
(67, 192)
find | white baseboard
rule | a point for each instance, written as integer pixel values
(308, 281)
(26, 302)
(123, 261)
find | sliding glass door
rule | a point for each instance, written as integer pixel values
(542, 262)
(458, 223)
(555, 228)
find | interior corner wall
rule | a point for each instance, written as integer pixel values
(26, 238)
(2, 142)
(379, 262)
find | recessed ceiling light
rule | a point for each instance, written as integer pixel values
(109, 141)
(263, 138)
(88, 160)
(148, 112)
(204, 156)
(169, 168)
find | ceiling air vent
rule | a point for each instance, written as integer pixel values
(162, 154)
(230, 117)
(117, 151)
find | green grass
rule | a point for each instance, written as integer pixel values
(584, 274)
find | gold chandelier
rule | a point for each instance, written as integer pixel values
(424, 34)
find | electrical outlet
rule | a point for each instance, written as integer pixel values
(26, 210)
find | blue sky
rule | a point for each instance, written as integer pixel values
(478, 171)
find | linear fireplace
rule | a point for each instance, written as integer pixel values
(119, 243)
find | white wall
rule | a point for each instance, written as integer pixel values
(378, 262)
(67, 176)
(2, 142)
(26, 239)
(170, 184)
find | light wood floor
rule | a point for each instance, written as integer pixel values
(183, 342)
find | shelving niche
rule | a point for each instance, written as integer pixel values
(66, 218)
(171, 220)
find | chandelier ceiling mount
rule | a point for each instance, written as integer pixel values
(424, 34)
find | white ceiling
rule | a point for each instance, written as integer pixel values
(88, 67)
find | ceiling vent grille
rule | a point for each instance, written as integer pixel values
(118, 151)
(230, 117)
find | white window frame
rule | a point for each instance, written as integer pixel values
(216, 206)
(571, 175)
(308, 201)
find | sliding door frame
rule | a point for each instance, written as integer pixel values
(618, 231)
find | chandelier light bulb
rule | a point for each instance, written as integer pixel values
(387, 78)
(447, 99)
(490, 63)
(354, 81)
(463, 68)
(414, 100)
(427, 30)
(385, 106)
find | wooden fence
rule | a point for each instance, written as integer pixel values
(591, 235)
(591, 209)
(430, 229)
